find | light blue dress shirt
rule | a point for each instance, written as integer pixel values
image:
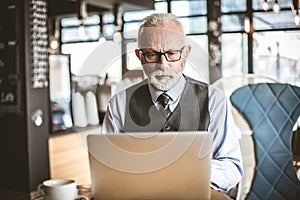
(226, 166)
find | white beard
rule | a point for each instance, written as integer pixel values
(164, 84)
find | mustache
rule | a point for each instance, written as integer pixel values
(166, 72)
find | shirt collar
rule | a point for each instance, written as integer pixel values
(174, 93)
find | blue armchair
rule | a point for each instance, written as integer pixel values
(271, 109)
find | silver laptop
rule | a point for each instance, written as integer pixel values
(172, 165)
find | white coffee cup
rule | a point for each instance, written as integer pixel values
(59, 189)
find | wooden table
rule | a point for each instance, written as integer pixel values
(85, 190)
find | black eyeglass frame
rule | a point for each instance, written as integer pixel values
(162, 53)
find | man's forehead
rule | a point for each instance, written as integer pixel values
(159, 36)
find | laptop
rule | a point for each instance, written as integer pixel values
(168, 165)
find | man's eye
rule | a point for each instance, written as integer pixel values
(172, 53)
(152, 54)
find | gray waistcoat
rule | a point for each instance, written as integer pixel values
(191, 114)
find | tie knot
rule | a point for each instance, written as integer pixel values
(163, 99)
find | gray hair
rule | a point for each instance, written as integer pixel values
(161, 19)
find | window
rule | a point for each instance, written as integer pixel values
(233, 37)
(188, 8)
(74, 31)
(234, 62)
(276, 55)
(81, 41)
(132, 61)
(233, 23)
(274, 42)
(107, 61)
(197, 63)
(273, 32)
(228, 6)
(194, 25)
(272, 20)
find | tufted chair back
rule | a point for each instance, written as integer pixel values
(271, 109)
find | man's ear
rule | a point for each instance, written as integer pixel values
(138, 53)
(187, 50)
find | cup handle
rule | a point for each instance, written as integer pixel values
(40, 188)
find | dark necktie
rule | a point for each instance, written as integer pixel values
(163, 100)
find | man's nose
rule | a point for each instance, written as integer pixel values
(162, 63)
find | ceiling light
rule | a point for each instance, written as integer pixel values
(102, 39)
(81, 30)
(265, 5)
(247, 25)
(276, 6)
(54, 43)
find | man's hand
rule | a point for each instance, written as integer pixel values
(216, 195)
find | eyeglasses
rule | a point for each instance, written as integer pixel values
(154, 56)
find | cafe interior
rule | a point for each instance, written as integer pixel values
(62, 60)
